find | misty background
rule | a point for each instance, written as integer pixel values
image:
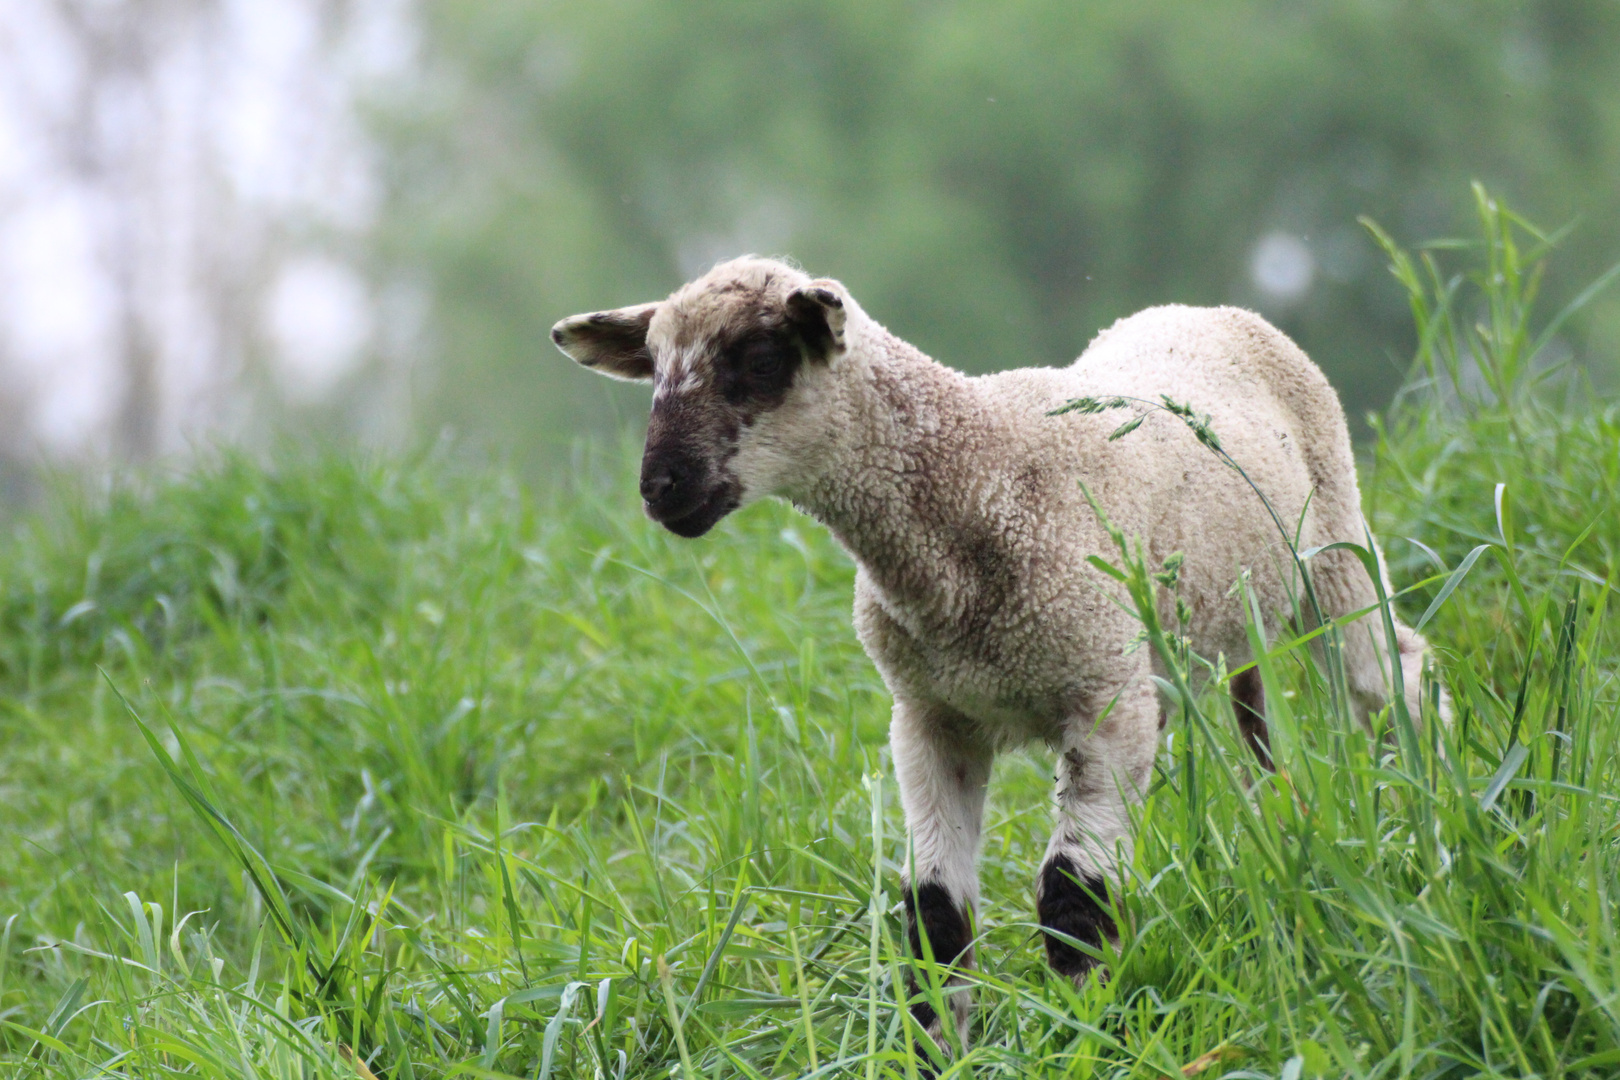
(244, 220)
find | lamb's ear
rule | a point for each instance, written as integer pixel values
(817, 312)
(612, 342)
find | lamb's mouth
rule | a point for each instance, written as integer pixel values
(703, 517)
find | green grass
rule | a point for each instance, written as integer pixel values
(478, 782)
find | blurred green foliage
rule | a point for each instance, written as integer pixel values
(994, 180)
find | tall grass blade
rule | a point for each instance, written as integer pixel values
(1453, 579)
(1512, 762)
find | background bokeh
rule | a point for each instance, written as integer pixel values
(232, 219)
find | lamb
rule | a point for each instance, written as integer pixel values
(961, 501)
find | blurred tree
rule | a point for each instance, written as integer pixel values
(184, 189)
(995, 179)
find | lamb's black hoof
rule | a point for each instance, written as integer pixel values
(931, 911)
(1073, 903)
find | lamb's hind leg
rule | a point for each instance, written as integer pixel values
(1249, 703)
(1342, 586)
(943, 773)
(1104, 768)
(1367, 668)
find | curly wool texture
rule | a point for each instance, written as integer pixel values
(960, 499)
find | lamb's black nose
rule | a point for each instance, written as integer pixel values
(658, 484)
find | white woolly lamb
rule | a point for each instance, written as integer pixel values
(960, 499)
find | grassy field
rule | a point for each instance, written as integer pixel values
(394, 768)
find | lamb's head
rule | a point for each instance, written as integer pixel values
(739, 360)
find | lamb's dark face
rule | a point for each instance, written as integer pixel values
(728, 356)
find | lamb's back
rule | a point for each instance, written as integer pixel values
(1270, 408)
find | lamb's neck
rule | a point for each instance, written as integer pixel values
(892, 493)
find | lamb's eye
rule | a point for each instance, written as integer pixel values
(764, 361)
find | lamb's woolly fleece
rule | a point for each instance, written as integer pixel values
(960, 499)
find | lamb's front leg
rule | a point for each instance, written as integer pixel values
(943, 773)
(1103, 768)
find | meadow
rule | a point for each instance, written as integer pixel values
(396, 767)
